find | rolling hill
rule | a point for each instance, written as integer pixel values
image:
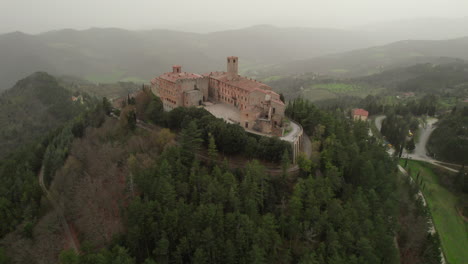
(377, 59)
(32, 108)
(110, 55)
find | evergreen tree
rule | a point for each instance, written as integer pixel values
(212, 151)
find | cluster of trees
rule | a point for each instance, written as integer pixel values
(31, 109)
(449, 141)
(345, 213)
(20, 193)
(426, 105)
(396, 129)
(436, 79)
(364, 167)
(59, 147)
(342, 208)
(230, 139)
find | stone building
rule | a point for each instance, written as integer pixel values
(257, 106)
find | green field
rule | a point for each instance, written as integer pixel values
(451, 227)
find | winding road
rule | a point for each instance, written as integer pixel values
(378, 122)
(420, 151)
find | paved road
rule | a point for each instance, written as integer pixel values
(425, 132)
(420, 151)
(378, 122)
(292, 135)
(59, 209)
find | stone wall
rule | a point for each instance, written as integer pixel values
(192, 98)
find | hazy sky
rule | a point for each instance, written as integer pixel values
(34, 16)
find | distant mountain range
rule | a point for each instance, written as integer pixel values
(111, 55)
(368, 61)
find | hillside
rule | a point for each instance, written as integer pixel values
(34, 107)
(449, 82)
(131, 194)
(423, 78)
(111, 55)
(377, 59)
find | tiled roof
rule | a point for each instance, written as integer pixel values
(172, 77)
(360, 112)
(240, 82)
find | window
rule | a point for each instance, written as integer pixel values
(274, 110)
(246, 124)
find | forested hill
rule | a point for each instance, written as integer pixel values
(31, 109)
(376, 59)
(135, 196)
(426, 77)
(111, 55)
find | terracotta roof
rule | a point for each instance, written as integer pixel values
(173, 77)
(241, 82)
(278, 102)
(360, 112)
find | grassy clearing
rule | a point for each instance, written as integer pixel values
(442, 202)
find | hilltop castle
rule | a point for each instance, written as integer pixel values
(250, 103)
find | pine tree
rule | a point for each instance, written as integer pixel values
(190, 141)
(212, 151)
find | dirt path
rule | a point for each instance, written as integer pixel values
(66, 227)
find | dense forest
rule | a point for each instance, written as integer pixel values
(346, 205)
(230, 139)
(20, 194)
(341, 208)
(35, 106)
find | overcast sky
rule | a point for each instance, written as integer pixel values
(33, 16)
